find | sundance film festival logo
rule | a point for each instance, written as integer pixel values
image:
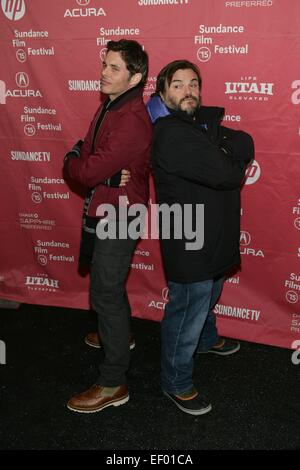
(204, 54)
(13, 9)
(21, 55)
(36, 197)
(42, 260)
(297, 223)
(29, 130)
(291, 297)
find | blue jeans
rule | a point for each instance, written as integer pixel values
(188, 317)
(209, 335)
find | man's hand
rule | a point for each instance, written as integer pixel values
(118, 179)
(74, 153)
(240, 146)
(226, 146)
(125, 177)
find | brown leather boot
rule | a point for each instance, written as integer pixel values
(97, 398)
(92, 339)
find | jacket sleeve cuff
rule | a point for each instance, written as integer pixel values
(70, 155)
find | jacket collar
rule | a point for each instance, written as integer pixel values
(126, 97)
(204, 115)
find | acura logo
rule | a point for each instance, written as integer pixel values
(245, 238)
(83, 3)
(22, 79)
(165, 294)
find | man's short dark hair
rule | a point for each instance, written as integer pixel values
(166, 74)
(135, 58)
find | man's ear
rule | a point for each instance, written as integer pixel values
(135, 79)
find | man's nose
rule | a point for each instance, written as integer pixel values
(103, 72)
(188, 90)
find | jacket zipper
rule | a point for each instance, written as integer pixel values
(96, 135)
(93, 149)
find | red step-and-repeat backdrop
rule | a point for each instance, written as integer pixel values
(248, 53)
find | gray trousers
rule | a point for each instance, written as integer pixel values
(109, 270)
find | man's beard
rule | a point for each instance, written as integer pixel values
(190, 110)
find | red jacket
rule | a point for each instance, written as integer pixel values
(123, 141)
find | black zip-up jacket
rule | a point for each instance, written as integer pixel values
(201, 162)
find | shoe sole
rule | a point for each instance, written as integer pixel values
(203, 411)
(220, 353)
(111, 403)
(97, 346)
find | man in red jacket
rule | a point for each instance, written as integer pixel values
(119, 137)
